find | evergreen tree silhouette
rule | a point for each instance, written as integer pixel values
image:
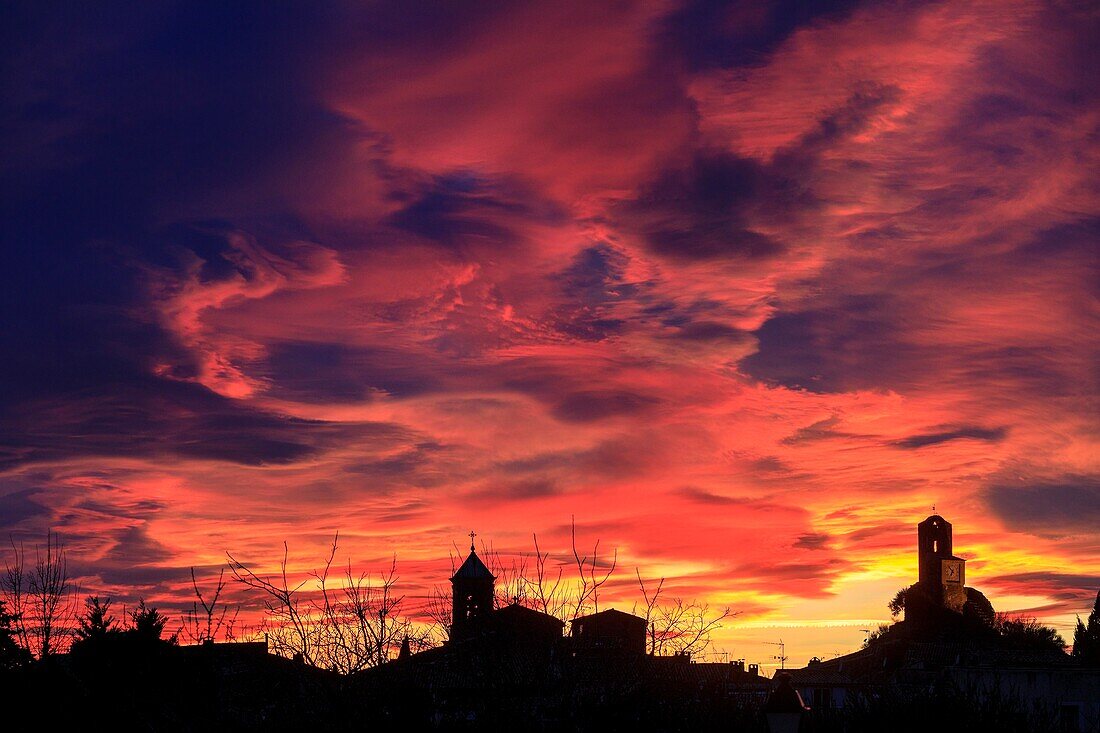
(12, 656)
(1086, 637)
(147, 624)
(96, 623)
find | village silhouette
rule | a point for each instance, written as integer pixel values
(950, 662)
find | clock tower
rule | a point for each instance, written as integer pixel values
(941, 574)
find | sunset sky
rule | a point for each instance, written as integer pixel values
(744, 288)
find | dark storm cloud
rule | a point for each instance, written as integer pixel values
(210, 95)
(20, 505)
(1071, 245)
(164, 105)
(464, 208)
(139, 509)
(143, 576)
(812, 541)
(802, 580)
(891, 530)
(592, 282)
(703, 211)
(536, 488)
(612, 459)
(133, 559)
(424, 464)
(592, 405)
(709, 34)
(702, 496)
(837, 125)
(1073, 592)
(989, 435)
(718, 205)
(134, 546)
(851, 345)
(328, 372)
(710, 331)
(820, 430)
(150, 417)
(1064, 506)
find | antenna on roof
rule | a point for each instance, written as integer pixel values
(782, 656)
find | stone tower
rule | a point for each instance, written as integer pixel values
(471, 595)
(941, 575)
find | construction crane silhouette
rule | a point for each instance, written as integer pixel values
(782, 656)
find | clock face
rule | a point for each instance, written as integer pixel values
(951, 572)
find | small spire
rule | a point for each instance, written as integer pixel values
(405, 652)
(472, 535)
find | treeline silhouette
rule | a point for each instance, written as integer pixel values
(327, 654)
(335, 618)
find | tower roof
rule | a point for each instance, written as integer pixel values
(473, 569)
(935, 520)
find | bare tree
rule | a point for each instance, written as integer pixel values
(16, 594)
(546, 591)
(674, 625)
(511, 583)
(358, 624)
(439, 612)
(378, 628)
(41, 598)
(288, 630)
(589, 579)
(211, 621)
(565, 586)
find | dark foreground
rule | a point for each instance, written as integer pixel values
(229, 687)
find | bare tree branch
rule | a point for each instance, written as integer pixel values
(676, 626)
(42, 598)
(355, 625)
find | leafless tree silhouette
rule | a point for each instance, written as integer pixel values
(674, 625)
(438, 611)
(359, 623)
(511, 584)
(546, 588)
(206, 620)
(566, 588)
(589, 579)
(41, 598)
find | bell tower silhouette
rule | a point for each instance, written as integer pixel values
(940, 573)
(472, 589)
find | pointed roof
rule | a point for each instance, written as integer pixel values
(473, 569)
(406, 651)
